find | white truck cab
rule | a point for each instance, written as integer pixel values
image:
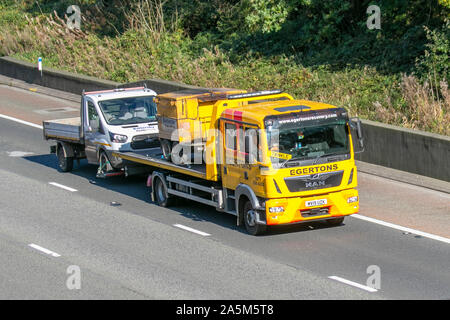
(110, 120)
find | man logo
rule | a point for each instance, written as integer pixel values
(314, 184)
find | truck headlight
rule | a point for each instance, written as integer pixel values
(352, 199)
(276, 209)
(118, 138)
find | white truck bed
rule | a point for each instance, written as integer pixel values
(63, 129)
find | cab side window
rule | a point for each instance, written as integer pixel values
(249, 145)
(252, 147)
(93, 118)
(230, 142)
(230, 136)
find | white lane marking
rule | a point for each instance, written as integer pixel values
(42, 249)
(351, 283)
(21, 121)
(191, 230)
(62, 186)
(19, 154)
(405, 229)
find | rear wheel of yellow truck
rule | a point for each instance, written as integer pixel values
(249, 215)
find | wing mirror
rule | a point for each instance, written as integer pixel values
(355, 125)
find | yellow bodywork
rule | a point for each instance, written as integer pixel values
(295, 207)
(201, 114)
(294, 203)
(193, 113)
(269, 183)
(185, 116)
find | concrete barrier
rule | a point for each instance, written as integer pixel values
(75, 83)
(403, 149)
(55, 79)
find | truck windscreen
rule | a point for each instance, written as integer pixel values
(312, 137)
(129, 110)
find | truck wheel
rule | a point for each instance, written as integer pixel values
(250, 220)
(162, 197)
(65, 163)
(104, 165)
(335, 221)
(166, 147)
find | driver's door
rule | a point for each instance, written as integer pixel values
(231, 171)
(92, 127)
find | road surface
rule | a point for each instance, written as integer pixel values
(126, 247)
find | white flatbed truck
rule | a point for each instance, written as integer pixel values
(110, 120)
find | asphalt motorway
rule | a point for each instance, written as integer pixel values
(126, 247)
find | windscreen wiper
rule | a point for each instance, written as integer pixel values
(327, 155)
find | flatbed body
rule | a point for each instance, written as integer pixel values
(154, 158)
(68, 129)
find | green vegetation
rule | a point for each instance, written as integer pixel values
(313, 49)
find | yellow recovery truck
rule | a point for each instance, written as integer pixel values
(262, 156)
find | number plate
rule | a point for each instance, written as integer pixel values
(315, 203)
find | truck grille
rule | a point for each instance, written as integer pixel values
(145, 141)
(315, 212)
(314, 181)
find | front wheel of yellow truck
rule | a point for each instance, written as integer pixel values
(335, 221)
(249, 215)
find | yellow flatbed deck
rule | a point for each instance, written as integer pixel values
(153, 158)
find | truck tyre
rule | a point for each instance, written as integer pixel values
(335, 221)
(162, 197)
(104, 162)
(65, 164)
(166, 147)
(249, 215)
